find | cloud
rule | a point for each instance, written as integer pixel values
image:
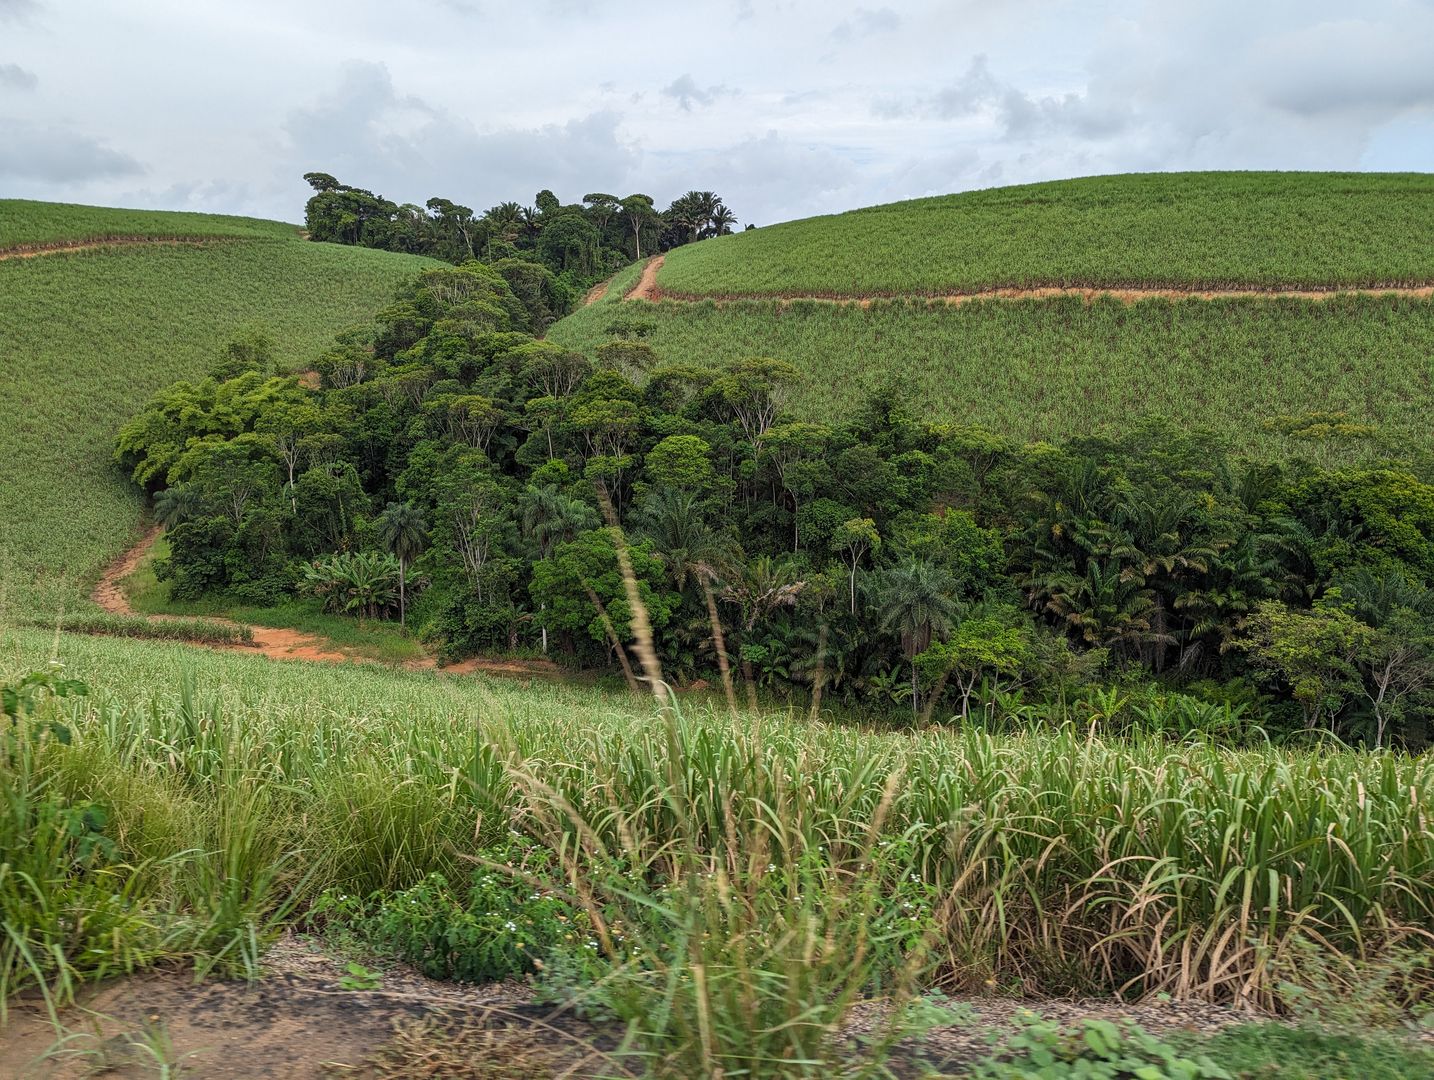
(685, 91)
(764, 178)
(369, 134)
(14, 77)
(1350, 64)
(57, 155)
(18, 11)
(866, 23)
(1012, 113)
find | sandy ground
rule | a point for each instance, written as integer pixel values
(300, 1023)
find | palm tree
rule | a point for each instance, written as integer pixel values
(917, 600)
(1170, 544)
(177, 504)
(404, 534)
(1107, 606)
(551, 517)
(722, 220)
(759, 588)
(692, 552)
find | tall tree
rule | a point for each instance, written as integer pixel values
(403, 534)
(916, 600)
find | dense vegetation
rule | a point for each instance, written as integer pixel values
(578, 243)
(1198, 230)
(452, 464)
(1267, 376)
(88, 337)
(24, 223)
(224, 795)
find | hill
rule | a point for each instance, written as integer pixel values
(26, 225)
(1193, 230)
(88, 336)
(1316, 375)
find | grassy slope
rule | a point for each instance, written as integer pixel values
(1046, 369)
(86, 338)
(1191, 229)
(24, 223)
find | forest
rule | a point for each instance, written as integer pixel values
(578, 243)
(449, 469)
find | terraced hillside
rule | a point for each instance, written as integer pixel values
(1313, 374)
(87, 336)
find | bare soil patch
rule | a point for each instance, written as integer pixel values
(646, 287)
(515, 668)
(273, 642)
(298, 1023)
(597, 292)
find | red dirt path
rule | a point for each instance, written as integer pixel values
(280, 644)
(646, 288)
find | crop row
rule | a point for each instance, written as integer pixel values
(1211, 230)
(1056, 368)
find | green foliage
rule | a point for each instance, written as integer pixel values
(1198, 230)
(362, 583)
(1094, 1050)
(358, 977)
(508, 922)
(587, 566)
(545, 251)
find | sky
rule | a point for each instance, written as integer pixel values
(786, 108)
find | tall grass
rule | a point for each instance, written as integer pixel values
(1058, 861)
(1196, 230)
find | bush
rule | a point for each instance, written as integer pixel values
(506, 924)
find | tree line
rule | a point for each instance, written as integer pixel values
(579, 242)
(453, 471)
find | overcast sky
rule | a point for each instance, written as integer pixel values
(786, 107)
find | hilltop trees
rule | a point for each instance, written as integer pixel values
(577, 243)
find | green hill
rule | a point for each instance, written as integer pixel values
(24, 223)
(1194, 230)
(1330, 379)
(86, 337)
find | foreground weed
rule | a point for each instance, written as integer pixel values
(1094, 1050)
